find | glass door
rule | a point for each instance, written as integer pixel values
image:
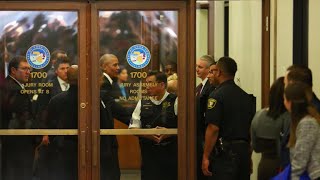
(43, 91)
(138, 63)
(93, 90)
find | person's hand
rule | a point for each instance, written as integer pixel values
(45, 140)
(205, 167)
(162, 137)
(154, 137)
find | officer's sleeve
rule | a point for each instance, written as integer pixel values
(214, 111)
(176, 107)
(135, 118)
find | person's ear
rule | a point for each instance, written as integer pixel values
(219, 72)
(13, 70)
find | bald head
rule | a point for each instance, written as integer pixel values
(73, 75)
(109, 64)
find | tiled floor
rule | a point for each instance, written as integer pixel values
(130, 175)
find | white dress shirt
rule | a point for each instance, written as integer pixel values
(108, 77)
(64, 85)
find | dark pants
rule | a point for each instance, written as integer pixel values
(269, 166)
(109, 164)
(159, 162)
(231, 164)
(17, 157)
(200, 175)
(59, 161)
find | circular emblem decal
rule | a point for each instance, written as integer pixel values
(138, 56)
(38, 56)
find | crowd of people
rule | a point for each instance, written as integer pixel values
(287, 132)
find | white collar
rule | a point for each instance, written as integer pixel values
(63, 84)
(108, 77)
(204, 82)
(61, 81)
(20, 84)
(157, 102)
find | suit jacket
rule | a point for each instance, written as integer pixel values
(16, 105)
(63, 110)
(56, 89)
(110, 89)
(201, 103)
(16, 114)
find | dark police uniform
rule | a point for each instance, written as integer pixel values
(159, 161)
(231, 109)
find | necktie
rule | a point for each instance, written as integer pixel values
(198, 89)
(66, 86)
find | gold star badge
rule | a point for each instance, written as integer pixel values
(211, 103)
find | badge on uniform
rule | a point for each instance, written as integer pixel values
(165, 105)
(211, 103)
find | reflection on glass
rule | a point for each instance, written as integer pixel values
(138, 59)
(26, 38)
(156, 30)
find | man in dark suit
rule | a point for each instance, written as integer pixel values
(109, 65)
(59, 159)
(17, 114)
(202, 92)
(60, 83)
(109, 110)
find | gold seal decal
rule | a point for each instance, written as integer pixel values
(211, 103)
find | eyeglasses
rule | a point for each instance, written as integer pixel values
(211, 71)
(25, 68)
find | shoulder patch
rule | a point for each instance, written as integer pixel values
(211, 103)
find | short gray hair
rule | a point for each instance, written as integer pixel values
(105, 59)
(209, 59)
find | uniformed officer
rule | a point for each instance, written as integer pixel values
(229, 114)
(159, 152)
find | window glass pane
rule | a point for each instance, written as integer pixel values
(139, 81)
(36, 50)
